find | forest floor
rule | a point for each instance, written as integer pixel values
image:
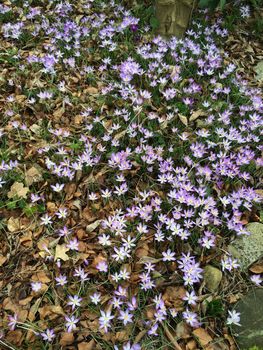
(128, 164)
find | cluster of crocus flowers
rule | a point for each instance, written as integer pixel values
(164, 164)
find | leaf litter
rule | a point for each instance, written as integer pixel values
(128, 162)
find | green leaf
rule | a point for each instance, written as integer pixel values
(222, 4)
(212, 4)
(154, 23)
(30, 211)
(12, 204)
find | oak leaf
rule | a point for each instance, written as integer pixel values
(18, 190)
(33, 175)
(13, 224)
(60, 252)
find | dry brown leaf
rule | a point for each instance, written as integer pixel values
(52, 311)
(33, 175)
(197, 114)
(66, 339)
(78, 119)
(59, 113)
(87, 346)
(42, 243)
(97, 260)
(33, 310)
(257, 268)
(88, 215)
(183, 331)
(35, 128)
(26, 300)
(70, 189)
(259, 192)
(91, 90)
(18, 190)
(93, 226)
(41, 277)
(60, 252)
(173, 297)
(183, 119)
(171, 337)
(26, 240)
(202, 336)
(13, 224)
(119, 135)
(15, 337)
(191, 345)
(20, 98)
(233, 298)
(142, 251)
(2, 260)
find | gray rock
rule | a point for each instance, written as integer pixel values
(248, 249)
(259, 70)
(212, 277)
(250, 333)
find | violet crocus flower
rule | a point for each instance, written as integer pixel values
(48, 335)
(134, 27)
(36, 286)
(105, 320)
(74, 301)
(191, 318)
(125, 317)
(12, 321)
(71, 322)
(102, 266)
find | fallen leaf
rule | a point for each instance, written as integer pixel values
(171, 337)
(60, 252)
(66, 339)
(2, 260)
(59, 113)
(91, 90)
(87, 346)
(52, 311)
(33, 175)
(15, 337)
(197, 114)
(41, 277)
(97, 260)
(191, 345)
(259, 192)
(183, 119)
(257, 267)
(33, 310)
(26, 240)
(18, 190)
(70, 189)
(183, 331)
(35, 128)
(25, 301)
(13, 224)
(173, 297)
(78, 119)
(93, 226)
(202, 336)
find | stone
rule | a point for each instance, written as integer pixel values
(259, 70)
(212, 277)
(248, 248)
(250, 333)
